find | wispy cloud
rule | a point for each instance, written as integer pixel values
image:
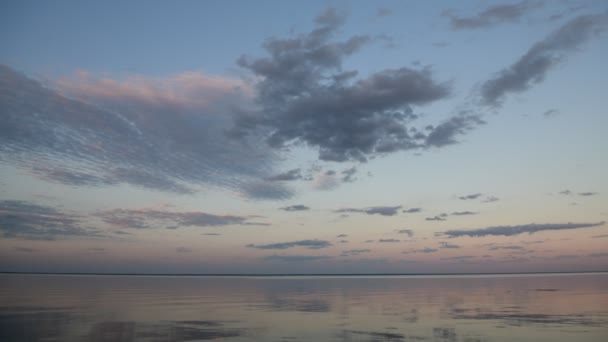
(412, 210)
(531, 68)
(491, 16)
(30, 221)
(516, 230)
(152, 218)
(409, 232)
(296, 258)
(380, 210)
(310, 244)
(295, 207)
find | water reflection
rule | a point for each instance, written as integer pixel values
(123, 308)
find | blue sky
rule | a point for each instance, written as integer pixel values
(317, 137)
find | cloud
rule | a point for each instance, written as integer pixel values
(531, 68)
(469, 197)
(463, 213)
(151, 218)
(600, 236)
(30, 221)
(290, 175)
(550, 113)
(310, 244)
(493, 248)
(588, 193)
(341, 235)
(515, 230)
(412, 210)
(355, 252)
(445, 133)
(212, 234)
(490, 16)
(598, 255)
(425, 250)
(384, 211)
(389, 240)
(435, 218)
(296, 258)
(348, 175)
(164, 134)
(490, 199)
(383, 12)
(565, 192)
(183, 250)
(295, 207)
(448, 245)
(409, 232)
(306, 98)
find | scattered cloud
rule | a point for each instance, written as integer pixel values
(296, 258)
(598, 255)
(295, 207)
(531, 68)
(425, 250)
(470, 197)
(384, 211)
(183, 250)
(212, 234)
(600, 236)
(565, 192)
(448, 245)
(306, 97)
(409, 232)
(463, 213)
(383, 12)
(341, 235)
(310, 244)
(490, 16)
(389, 240)
(588, 193)
(520, 229)
(411, 210)
(490, 199)
(493, 248)
(435, 218)
(355, 252)
(550, 113)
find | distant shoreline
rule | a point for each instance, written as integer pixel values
(297, 274)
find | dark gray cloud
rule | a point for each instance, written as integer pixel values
(412, 210)
(515, 230)
(588, 193)
(295, 207)
(296, 258)
(30, 221)
(448, 245)
(384, 211)
(471, 196)
(310, 244)
(110, 133)
(305, 97)
(150, 218)
(290, 175)
(389, 240)
(531, 68)
(409, 232)
(550, 113)
(463, 213)
(490, 16)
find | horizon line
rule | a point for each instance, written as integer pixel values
(295, 274)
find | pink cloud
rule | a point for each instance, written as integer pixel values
(189, 89)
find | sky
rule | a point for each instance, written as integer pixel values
(303, 137)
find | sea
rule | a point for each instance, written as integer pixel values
(468, 308)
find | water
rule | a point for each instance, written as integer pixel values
(566, 307)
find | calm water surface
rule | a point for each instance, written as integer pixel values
(393, 308)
